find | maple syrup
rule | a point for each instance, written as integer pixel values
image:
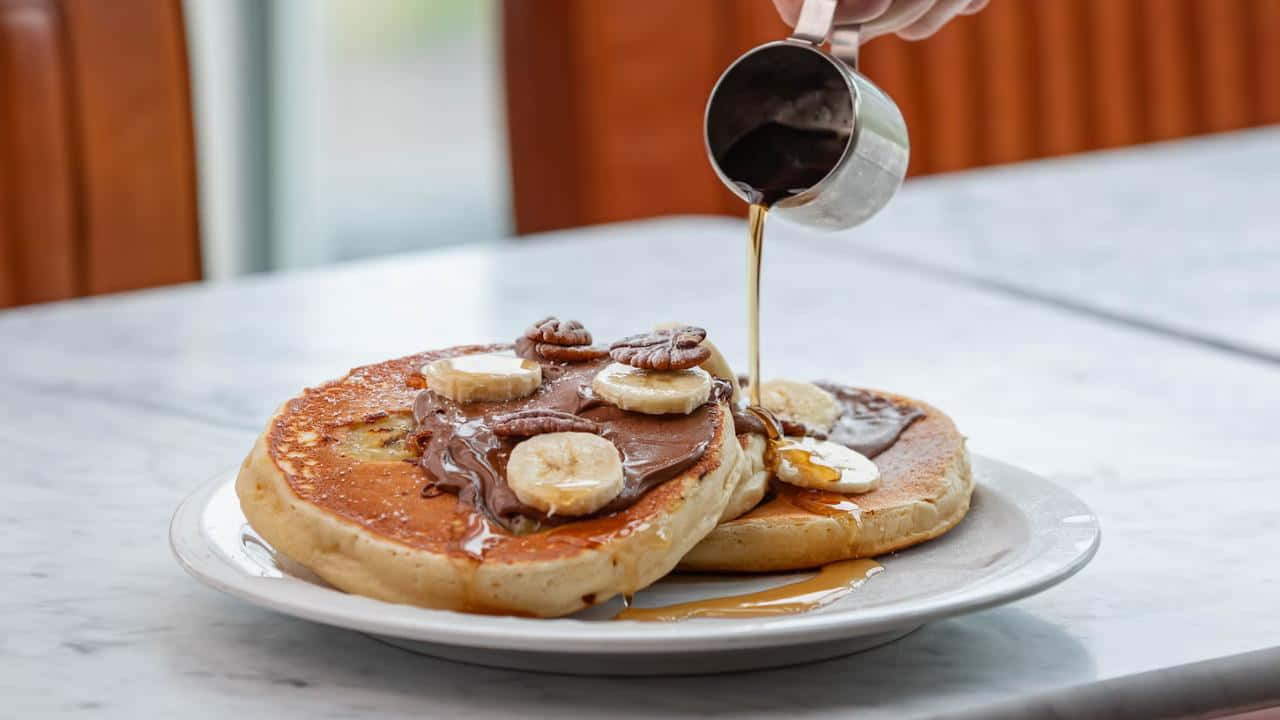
(832, 582)
(776, 450)
(771, 163)
(756, 215)
(789, 452)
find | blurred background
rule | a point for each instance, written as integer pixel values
(151, 142)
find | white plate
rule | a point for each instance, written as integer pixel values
(1022, 535)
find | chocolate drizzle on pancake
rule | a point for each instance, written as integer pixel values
(869, 423)
(463, 455)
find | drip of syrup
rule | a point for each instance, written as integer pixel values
(803, 460)
(819, 502)
(769, 180)
(832, 582)
(777, 450)
(756, 215)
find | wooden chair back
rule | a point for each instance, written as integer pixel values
(97, 157)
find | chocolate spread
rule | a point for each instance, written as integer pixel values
(869, 423)
(463, 455)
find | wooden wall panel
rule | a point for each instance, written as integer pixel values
(137, 145)
(1169, 66)
(752, 24)
(1265, 20)
(1022, 79)
(41, 255)
(1007, 64)
(97, 161)
(8, 289)
(641, 124)
(1115, 72)
(543, 115)
(1062, 64)
(1224, 48)
(950, 137)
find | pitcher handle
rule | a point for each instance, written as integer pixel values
(817, 23)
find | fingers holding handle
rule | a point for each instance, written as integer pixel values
(910, 19)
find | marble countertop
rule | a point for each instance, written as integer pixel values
(116, 407)
(1179, 237)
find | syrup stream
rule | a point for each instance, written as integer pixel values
(833, 581)
(756, 215)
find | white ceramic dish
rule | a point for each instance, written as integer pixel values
(1022, 535)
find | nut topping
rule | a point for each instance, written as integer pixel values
(670, 349)
(557, 340)
(568, 353)
(555, 331)
(527, 423)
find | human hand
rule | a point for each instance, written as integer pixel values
(910, 19)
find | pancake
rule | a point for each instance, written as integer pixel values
(754, 480)
(332, 484)
(924, 491)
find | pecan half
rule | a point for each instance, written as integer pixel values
(526, 423)
(539, 351)
(555, 331)
(569, 353)
(671, 349)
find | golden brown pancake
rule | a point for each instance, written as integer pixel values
(924, 491)
(331, 484)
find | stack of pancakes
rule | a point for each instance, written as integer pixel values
(339, 483)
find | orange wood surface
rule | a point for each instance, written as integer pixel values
(39, 238)
(1010, 115)
(97, 159)
(137, 146)
(1062, 61)
(1265, 20)
(634, 141)
(1115, 72)
(1168, 67)
(540, 70)
(1020, 80)
(1225, 41)
(948, 135)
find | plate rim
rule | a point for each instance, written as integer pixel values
(1074, 545)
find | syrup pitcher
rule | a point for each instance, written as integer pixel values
(798, 129)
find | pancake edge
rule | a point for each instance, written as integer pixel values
(799, 542)
(355, 560)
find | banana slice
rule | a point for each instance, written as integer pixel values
(717, 365)
(654, 392)
(801, 402)
(489, 377)
(565, 473)
(822, 465)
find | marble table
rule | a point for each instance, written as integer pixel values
(116, 407)
(1179, 238)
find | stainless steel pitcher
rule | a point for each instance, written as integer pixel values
(798, 84)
